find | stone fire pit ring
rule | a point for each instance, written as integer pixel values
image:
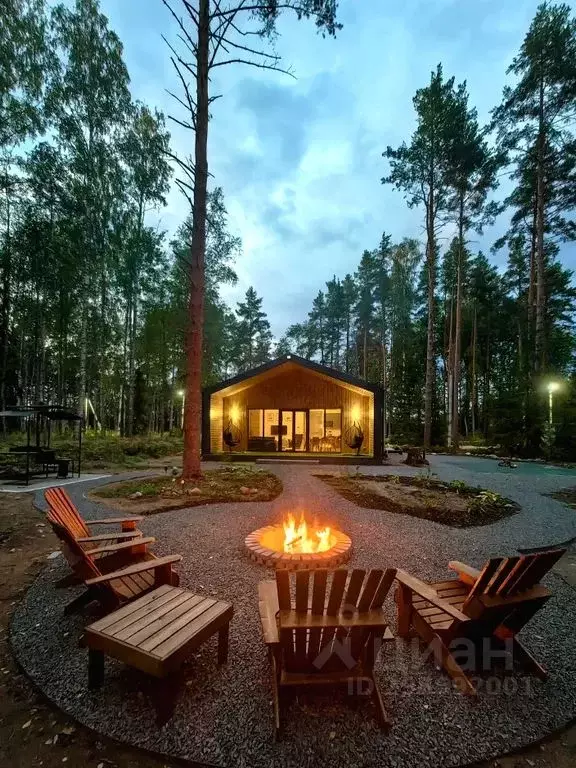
(338, 553)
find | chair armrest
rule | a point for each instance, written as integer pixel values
(427, 593)
(107, 536)
(375, 619)
(268, 608)
(115, 520)
(149, 565)
(466, 573)
(123, 545)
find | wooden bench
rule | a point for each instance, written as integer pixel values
(157, 632)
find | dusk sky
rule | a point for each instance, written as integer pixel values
(300, 161)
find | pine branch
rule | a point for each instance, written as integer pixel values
(273, 56)
(249, 63)
(181, 23)
(188, 126)
(216, 35)
(182, 103)
(189, 99)
(186, 64)
(297, 7)
(187, 167)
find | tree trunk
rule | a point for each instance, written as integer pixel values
(458, 329)
(430, 362)
(540, 346)
(473, 394)
(348, 342)
(193, 406)
(5, 312)
(450, 373)
(83, 343)
(384, 387)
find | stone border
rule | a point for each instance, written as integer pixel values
(336, 555)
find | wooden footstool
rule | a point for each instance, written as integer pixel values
(157, 632)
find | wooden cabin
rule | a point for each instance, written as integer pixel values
(295, 408)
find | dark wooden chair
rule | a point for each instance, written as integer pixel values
(493, 605)
(330, 633)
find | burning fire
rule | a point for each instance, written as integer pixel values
(299, 539)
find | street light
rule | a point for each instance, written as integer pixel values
(553, 386)
(182, 394)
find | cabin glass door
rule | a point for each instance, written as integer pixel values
(293, 431)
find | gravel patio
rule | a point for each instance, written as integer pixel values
(224, 716)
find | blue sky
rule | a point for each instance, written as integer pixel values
(300, 161)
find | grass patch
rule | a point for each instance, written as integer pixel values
(225, 484)
(456, 504)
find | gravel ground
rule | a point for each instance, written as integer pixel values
(224, 716)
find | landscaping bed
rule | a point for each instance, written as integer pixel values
(566, 496)
(148, 495)
(456, 504)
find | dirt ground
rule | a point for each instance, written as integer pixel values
(34, 733)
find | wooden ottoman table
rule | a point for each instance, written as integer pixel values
(157, 632)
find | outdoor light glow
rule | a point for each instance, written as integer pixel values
(553, 386)
(181, 393)
(234, 413)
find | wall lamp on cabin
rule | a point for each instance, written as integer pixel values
(234, 414)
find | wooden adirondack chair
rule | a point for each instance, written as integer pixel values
(63, 509)
(63, 512)
(109, 579)
(491, 605)
(330, 633)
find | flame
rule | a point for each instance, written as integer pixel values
(297, 538)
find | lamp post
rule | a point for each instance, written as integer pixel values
(553, 386)
(182, 394)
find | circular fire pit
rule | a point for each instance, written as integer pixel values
(298, 546)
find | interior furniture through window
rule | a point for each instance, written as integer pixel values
(287, 430)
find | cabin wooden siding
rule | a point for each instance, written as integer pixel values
(216, 423)
(294, 389)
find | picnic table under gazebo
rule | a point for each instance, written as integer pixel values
(36, 456)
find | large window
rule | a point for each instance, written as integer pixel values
(324, 433)
(326, 430)
(263, 429)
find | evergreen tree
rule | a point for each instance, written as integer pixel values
(420, 171)
(254, 336)
(533, 123)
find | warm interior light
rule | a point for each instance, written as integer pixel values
(553, 386)
(355, 413)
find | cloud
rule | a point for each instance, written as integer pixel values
(300, 161)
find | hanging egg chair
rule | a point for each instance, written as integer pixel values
(354, 437)
(232, 436)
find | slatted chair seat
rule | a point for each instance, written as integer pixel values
(494, 603)
(325, 627)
